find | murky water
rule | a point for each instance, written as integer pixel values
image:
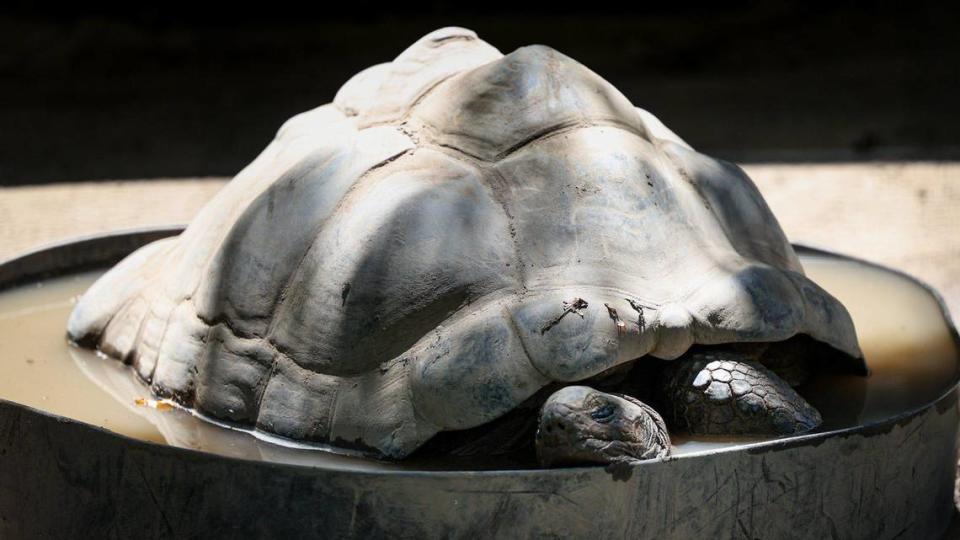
(907, 344)
(905, 339)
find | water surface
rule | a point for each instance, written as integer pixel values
(907, 344)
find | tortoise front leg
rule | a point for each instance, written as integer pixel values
(724, 393)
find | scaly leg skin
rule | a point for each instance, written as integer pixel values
(722, 393)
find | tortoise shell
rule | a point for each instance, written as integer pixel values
(458, 229)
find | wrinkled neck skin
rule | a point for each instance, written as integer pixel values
(581, 425)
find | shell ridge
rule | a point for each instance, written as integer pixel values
(214, 241)
(252, 182)
(545, 134)
(135, 345)
(116, 316)
(534, 86)
(159, 346)
(523, 343)
(438, 55)
(520, 268)
(485, 173)
(773, 234)
(324, 173)
(87, 322)
(309, 248)
(657, 130)
(211, 342)
(413, 197)
(402, 120)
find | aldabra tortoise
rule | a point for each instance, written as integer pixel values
(458, 230)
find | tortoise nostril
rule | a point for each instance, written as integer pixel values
(551, 426)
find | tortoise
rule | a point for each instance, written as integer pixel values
(457, 233)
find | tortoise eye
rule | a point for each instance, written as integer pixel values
(603, 413)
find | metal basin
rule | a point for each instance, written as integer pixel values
(61, 478)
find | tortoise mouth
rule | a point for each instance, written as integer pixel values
(588, 451)
(578, 439)
(573, 447)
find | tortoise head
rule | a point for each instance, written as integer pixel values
(581, 425)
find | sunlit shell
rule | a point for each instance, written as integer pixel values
(456, 230)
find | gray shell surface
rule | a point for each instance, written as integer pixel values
(456, 230)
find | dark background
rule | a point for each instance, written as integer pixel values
(136, 90)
